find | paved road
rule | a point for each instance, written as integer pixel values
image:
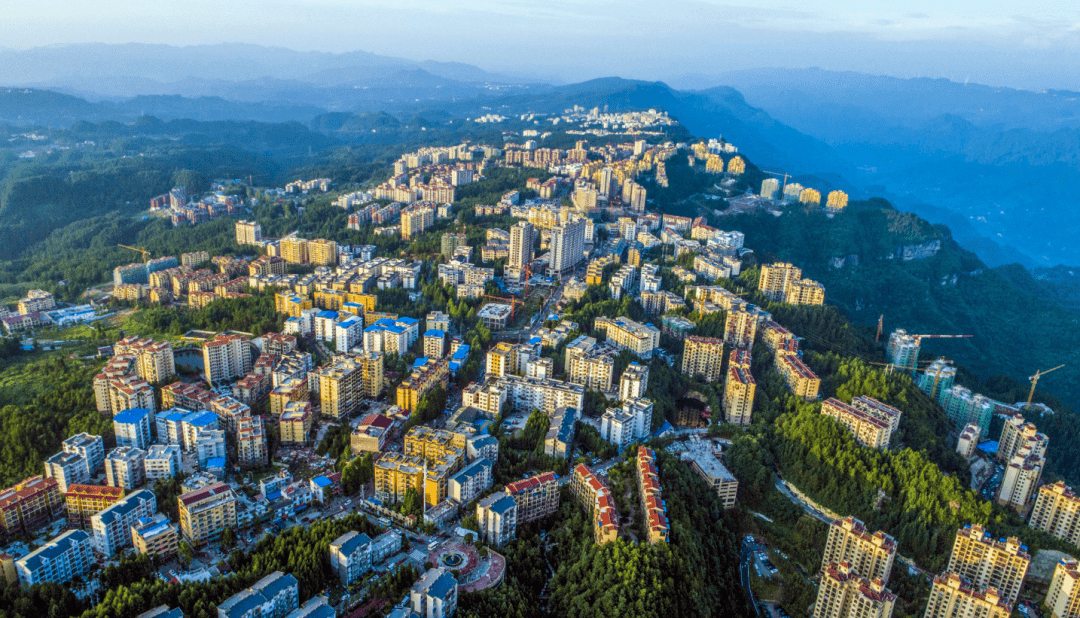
(806, 507)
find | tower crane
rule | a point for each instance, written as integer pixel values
(919, 338)
(785, 176)
(144, 252)
(1035, 380)
(513, 302)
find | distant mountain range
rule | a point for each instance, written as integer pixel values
(997, 165)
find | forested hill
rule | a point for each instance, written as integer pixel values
(877, 261)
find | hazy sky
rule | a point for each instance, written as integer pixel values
(1033, 44)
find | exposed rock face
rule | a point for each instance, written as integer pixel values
(916, 252)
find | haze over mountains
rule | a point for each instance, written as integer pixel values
(995, 164)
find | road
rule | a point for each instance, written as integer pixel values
(746, 559)
(806, 507)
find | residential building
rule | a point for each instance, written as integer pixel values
(589, 363)
(595, 497)
(495, 316)
(968, 442)
(710, 468)
(68, 469)
(937, 378)
(987, 562)
(396, 473)
(30, 504)
(482, 446)
(470, 481)
(226, 357)
(295, 422)
(739, 391)
(567, 248)
(273, 596)
(293, 250)
(871, 556)
(903, 349)
(560, 435)
(371, 434)
(322, 252)
(340, 386)
(125, 467)
(290, 390)
(206, 512)
(251, 446)
(350, 556)
(429, 443)
(964, 407)
(1016, 434)
(521, 247)
(156, 537)
(652, 505)
(843, 593)
(536, 496)
(634, 381)
(703, 356)
(497, 517)
(421, 381)
(112, 526)
(132, 428)
(775, 278)
(162, 461)
(1057, 512)
(626, 334)
(740, 325)
(84, 501)
(879, 410)
(91, 448)
(59, 561)
(952, 596)
(434, 344)
(800, 379)
(248, 233)
(435, 595)
(1063, 598)
(1021, 478)
(154, 360)
(868, 430)
(622, 426)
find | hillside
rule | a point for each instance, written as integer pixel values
(875, 260)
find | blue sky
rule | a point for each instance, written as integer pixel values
(1030, 44)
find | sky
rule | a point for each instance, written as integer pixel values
(1032, 44)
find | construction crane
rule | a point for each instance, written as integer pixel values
(919, 338)
(785, 176)
(880, 323)
(890, 366)
(1035, 380)
(513, 302)
(144, 252)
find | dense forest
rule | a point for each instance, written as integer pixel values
(693, 575)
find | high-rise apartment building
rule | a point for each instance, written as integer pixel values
(293, 250)
(843, 593)
(154, 361)
(248, 233)
(626, 334)
(415, 219)
(226, 357)
(590, 363)
(968, 442)
(206, 512)
(903, 349)
(633, 382)
(322, 252)
(30, 504)
(1063, 598)
(740, 326)
(953, 596)
(521, 244)
(125, 467)
(133, 428)
(59, 561)
(868, 430)
(536, 496)
(988, 562)
(1057, 512)
(775, 278)
(802, 381)
(937, 378)
(251, 446)
(739, 391)
(770, 188)
(295, 421)
(340, 386)
(91, 448)
(870, 555)
(567, 248)
(497, 516)
(112, 526)
(350, 556)
(1017, 434)
(703, 356)
(84, 501)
